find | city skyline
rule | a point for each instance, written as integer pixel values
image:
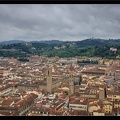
(71, 22)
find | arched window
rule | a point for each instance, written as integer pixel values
(48, 73)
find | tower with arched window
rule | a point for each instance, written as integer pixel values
(49, 79)
(71, 81)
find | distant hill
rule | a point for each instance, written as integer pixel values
(88, 47)
(83, 43)
(97, 42)
(11, 42)
(48, 41)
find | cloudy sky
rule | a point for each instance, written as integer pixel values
(59, 21)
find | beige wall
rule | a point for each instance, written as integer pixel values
(113, 96)
(108, 108)
(92, 108)
(98, 114)
(78, 106)
(88, 96)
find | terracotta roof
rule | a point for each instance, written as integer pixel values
(6, 112)
(7, 102)
(58, 91)
(34, 114)
(41, 109)
(99, 110)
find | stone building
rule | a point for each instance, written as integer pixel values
(117, 75)
(71, 81)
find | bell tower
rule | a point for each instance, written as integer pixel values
(49, 79)
(71, 81)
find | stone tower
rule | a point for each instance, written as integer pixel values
(71, 81)
(49, 80)
(117, 75)
(102, 94)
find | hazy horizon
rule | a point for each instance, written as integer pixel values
(65, 22)
(58, 40)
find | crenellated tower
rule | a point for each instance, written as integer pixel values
(49, 79)
(71, 81)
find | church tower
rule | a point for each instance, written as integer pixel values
(117, 75)
(71, 81)
(101, 94)
(49, 80)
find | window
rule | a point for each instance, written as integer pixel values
(72, 106)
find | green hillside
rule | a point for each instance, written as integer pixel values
(88, 47)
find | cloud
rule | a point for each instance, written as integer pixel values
(59, 21)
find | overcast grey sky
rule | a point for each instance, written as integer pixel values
(59, 21)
